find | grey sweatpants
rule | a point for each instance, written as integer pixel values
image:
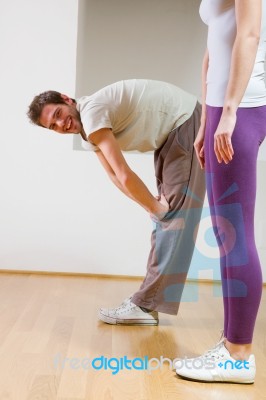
(181, 180)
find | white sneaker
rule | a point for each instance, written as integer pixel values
(217, 365)
(217, 345)
(128, 314)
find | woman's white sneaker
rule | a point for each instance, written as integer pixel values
(217, 365)
(128, 313)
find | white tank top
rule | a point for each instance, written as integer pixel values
(220, 17)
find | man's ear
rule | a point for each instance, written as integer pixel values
(66, 99)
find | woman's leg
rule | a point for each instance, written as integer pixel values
(232, 200)
(213, 116)
(231, 191)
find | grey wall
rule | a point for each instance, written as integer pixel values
(155, 39)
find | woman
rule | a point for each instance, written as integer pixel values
(233, 125)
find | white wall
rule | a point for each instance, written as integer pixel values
(38, 52)
(58, 210)
(54, 216)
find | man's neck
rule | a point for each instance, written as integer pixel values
(83, 135)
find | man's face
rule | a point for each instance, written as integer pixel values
(61, 118)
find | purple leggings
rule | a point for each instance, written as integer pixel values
(231, 192)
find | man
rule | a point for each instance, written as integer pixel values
(142, 115)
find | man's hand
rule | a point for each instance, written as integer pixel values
(199, 146)
(222, 139)
(161, 210)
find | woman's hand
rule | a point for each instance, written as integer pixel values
(199, 146)
(222, 139)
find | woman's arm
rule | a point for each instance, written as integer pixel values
(204, 71)
(199, 142)
(248, 21)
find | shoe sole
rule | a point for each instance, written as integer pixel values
(204, 381)
(115, 321)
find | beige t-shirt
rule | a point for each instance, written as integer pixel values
(140, 112)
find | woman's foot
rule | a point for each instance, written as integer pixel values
(217, 365)
(239, 351)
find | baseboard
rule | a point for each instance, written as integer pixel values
(100, 276)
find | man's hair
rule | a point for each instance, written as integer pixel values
(37, 104)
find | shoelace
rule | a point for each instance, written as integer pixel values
(216, 354)
(217, 345)
(125, 302)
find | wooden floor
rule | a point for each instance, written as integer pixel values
(46, 320)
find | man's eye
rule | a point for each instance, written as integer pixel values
(58, 112)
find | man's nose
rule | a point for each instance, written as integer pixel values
(60, 124)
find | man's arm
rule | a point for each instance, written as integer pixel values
(111, 173)
(122, 176)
